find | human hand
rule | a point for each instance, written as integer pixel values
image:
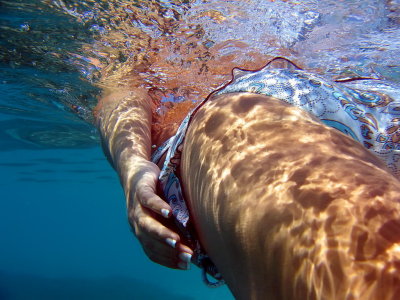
(148, 214)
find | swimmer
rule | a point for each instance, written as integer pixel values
(287, 182)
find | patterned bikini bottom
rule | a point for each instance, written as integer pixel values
(366, 109)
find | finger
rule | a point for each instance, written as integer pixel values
(161, 254)
(184, 249)
(166, 262)
(149, 225)
(154, 245)
(148, 198)
(160, 243)
(146, 226)
(174, 262)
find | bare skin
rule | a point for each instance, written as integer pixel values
(288, 208)
(124, 121)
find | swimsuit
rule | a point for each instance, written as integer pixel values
(363, 108)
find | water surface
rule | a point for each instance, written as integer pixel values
(64, 233)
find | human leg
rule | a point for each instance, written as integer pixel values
(288, 208)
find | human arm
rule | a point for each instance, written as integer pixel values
(124, 122)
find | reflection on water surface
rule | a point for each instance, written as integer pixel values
(57, 54)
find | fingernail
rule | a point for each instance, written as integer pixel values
(186, 257)
(171, 242)
(184, 266)
(165, 213)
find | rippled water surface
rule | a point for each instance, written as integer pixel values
(63, 229)
(59, 54)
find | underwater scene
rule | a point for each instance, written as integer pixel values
(64, 232)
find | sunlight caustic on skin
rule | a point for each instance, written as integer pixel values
(287, 177)
(278, 184)
(296, 220)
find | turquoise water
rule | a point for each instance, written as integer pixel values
(63, 227)
(64, 234)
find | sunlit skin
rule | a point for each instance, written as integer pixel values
(124, 121)
(286, 207)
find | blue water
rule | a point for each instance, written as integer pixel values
(63, 227)
(64, 234)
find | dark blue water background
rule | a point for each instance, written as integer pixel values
(63, 227)
(64, 234)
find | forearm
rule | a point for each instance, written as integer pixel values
(124, 121)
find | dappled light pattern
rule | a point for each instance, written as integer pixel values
(60, 52)
(285, 206)
(188, 48)
(289, 208)
(125, 117)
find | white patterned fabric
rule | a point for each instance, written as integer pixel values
(364, 113)
(370, 117)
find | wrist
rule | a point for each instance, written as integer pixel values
(135, 171)
(128, 164)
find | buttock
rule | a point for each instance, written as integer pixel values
(370, 117)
